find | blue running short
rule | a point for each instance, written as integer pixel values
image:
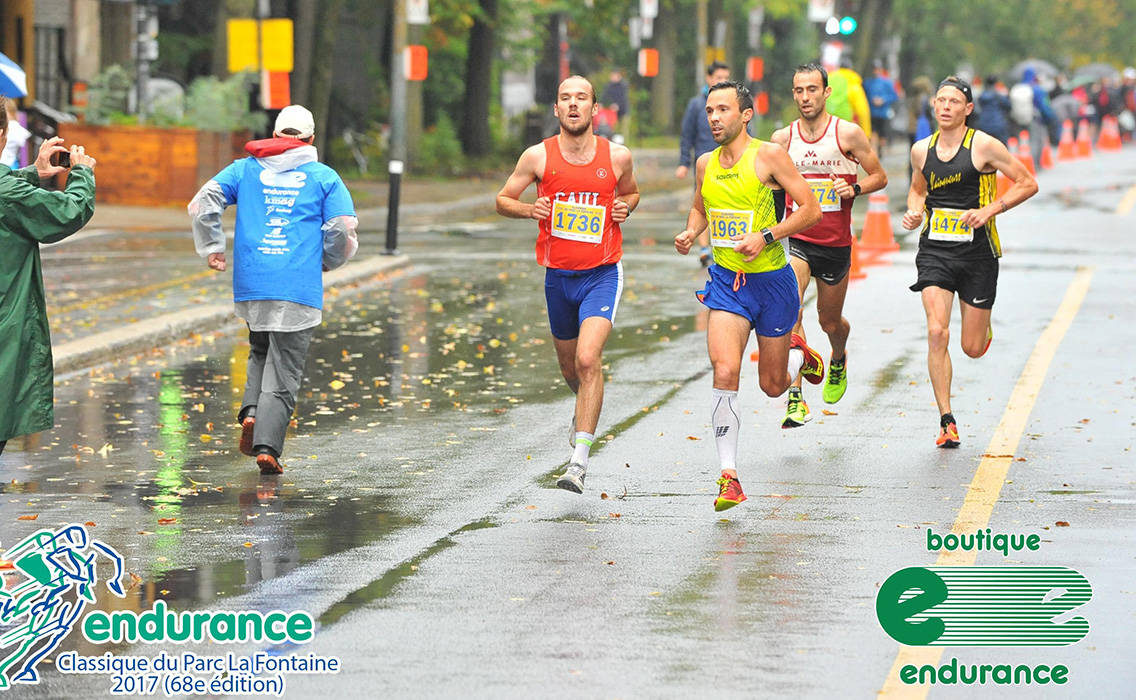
(574, 295)
(769, 300)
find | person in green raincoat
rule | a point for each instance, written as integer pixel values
(30, 215)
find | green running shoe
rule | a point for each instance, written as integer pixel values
(837, 382)
(797, 411)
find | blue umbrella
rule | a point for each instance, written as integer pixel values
(13, 81)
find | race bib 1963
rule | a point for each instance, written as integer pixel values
(945, 226)
(728, 226)
(578, 222)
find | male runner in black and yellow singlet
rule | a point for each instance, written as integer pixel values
(954, 184)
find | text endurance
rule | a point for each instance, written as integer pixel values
(222, 626)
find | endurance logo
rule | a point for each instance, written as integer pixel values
(59, 580)
(982, 606)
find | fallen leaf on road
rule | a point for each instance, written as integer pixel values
(615, 515)
(611, 563)
(167, 521)
(247, 544)
(827, 412)
(90, 523)
(530, 507)
(1062, 523)
(28, 517)
(693, 437)
(603, 496)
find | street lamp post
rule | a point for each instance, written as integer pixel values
(397, 123)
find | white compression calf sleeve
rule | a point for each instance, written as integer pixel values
(726, 424)
(796, 362)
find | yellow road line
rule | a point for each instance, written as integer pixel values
(134, 292)
(984, 489)
(1127, 202)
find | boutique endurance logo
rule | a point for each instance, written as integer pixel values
(984, 606)
(59, 581)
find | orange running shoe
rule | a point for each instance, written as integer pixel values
(729, 493)
(268, 463)
(813, 369)
(948, 432)
(246, 436)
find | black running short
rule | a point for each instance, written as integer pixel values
(827, 263)
(881, 126)
(975, 279)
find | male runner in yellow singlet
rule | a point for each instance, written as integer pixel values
(829, 153)
(954, 184)
(751, 285)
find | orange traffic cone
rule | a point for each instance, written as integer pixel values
(1004, 184)
(1065, 148)
(856, 272)
(877, 233)
(1046, 153)
(1024, 153)
(1084, 141)
(1109, 139)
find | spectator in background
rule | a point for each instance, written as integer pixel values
(848, 100)
(616, 97)
(17, 137)
(922, 119)
(696, 138)
(1030, 111)
(882, 97)
(1128, 100)
(994, 110)
(29, 216)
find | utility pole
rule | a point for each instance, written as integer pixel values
(397, 121)
(700, 58)
(145, 50)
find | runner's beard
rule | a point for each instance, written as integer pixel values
(576, 131)
(728, 135)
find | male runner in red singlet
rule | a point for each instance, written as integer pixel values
(828, 151)
(585, 190)
(955, 183)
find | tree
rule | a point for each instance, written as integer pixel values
(474, 129)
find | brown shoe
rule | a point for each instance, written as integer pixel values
(268, 464)
(246, 436)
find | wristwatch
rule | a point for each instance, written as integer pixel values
(767, 234)
(856, 188)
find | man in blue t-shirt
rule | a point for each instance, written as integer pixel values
(882, 97)
(295, 219)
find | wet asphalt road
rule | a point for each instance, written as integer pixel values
(417, 517)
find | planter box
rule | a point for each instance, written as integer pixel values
(151, 166)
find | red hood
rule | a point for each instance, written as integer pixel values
(264, 148)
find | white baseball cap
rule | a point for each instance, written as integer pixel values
(297, 118)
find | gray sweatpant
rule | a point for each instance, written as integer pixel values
(275, 368)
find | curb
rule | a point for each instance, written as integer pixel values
(164, 329)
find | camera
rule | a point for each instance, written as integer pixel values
(62, 159)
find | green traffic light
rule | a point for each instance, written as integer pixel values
(847, 25)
